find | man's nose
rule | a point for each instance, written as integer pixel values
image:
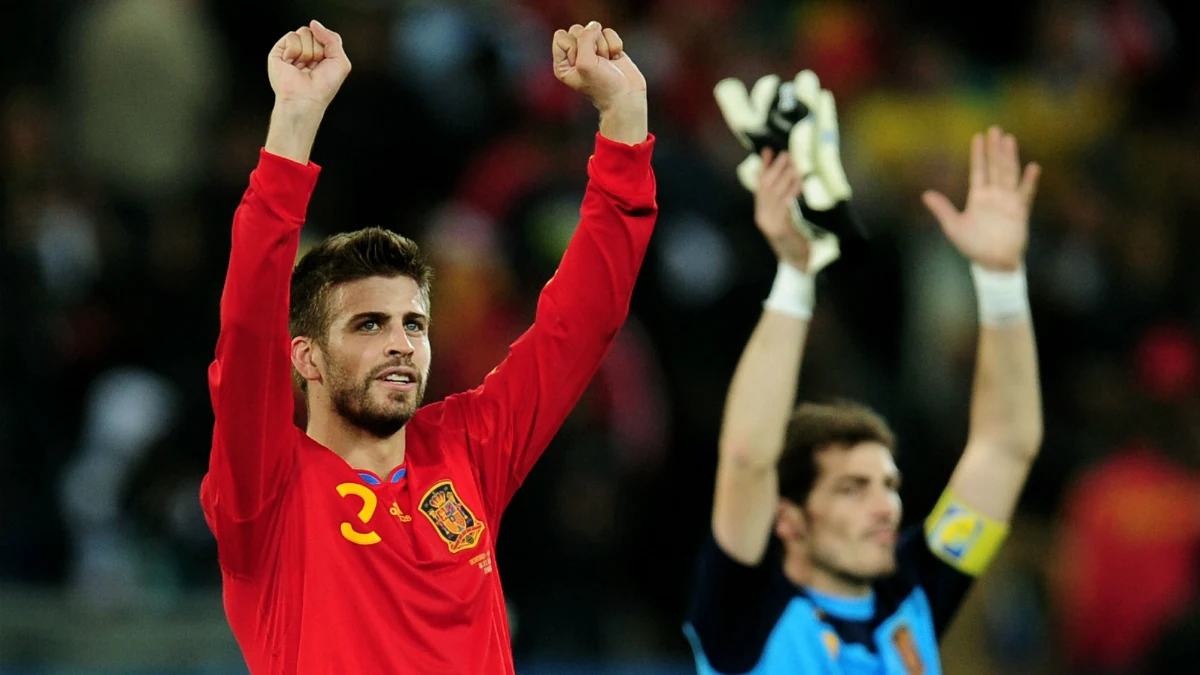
(399, 344)
(885, 506)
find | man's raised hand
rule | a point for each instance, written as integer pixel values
(993, 230)
(307, 66)
(779, 185)
(592, 60)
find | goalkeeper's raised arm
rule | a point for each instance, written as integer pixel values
(1005, 434)
(763, 391)
(762, 394)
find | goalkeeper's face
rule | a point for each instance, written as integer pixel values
(850, 521)
(376, 357)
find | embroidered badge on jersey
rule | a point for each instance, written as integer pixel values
(910, 656)
(455, 523)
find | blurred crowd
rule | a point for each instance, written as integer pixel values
(129, 128)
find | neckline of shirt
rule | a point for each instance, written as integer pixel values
(843, 607)
(371, 478)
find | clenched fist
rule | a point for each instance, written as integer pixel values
(591, 60)
(308, 65)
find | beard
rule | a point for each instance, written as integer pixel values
(354, 403)
(838, 569)
(846, 576)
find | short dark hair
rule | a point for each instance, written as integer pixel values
(346, 257)
(816, 426)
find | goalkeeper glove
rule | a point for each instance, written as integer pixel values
(800, 117)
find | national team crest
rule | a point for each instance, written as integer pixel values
(907, 648)
(451, 517)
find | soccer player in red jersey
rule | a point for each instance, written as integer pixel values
(365, 542)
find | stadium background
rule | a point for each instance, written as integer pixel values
(129, 128)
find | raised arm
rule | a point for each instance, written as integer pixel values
(524, 401)
(250, 380)
(1006, 408)
(762, 394)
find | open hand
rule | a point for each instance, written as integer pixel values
(993, 230)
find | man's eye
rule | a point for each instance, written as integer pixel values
(369, 325)
(414, 326)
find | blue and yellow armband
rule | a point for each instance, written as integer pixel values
(961, 536)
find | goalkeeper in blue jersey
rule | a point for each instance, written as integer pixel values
(806, 570)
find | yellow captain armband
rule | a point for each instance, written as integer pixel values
(961, 536)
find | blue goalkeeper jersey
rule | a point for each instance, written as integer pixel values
(754, 620)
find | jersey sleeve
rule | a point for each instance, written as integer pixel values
(733, 609)
(523, 402)
(945, 554)
(944, 586)
(250, 380)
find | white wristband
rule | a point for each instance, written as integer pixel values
(792, 293)
(1003, 296)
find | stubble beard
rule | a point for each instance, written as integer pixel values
(355, 404)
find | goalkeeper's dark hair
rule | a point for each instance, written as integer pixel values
(342, 258)
(815, 427)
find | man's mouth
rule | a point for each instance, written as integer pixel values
(399, 379)
(885, 537)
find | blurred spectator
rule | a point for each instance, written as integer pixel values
(144, 79)
(1128, 558)
(1125, 569)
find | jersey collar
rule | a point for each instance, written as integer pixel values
(843, 607)
(369, 477)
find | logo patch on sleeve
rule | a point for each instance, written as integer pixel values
(962, 537)
(454, 522)
(956, 532)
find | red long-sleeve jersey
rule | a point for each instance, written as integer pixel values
(328, 569)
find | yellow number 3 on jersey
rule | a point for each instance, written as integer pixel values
(370, 501)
